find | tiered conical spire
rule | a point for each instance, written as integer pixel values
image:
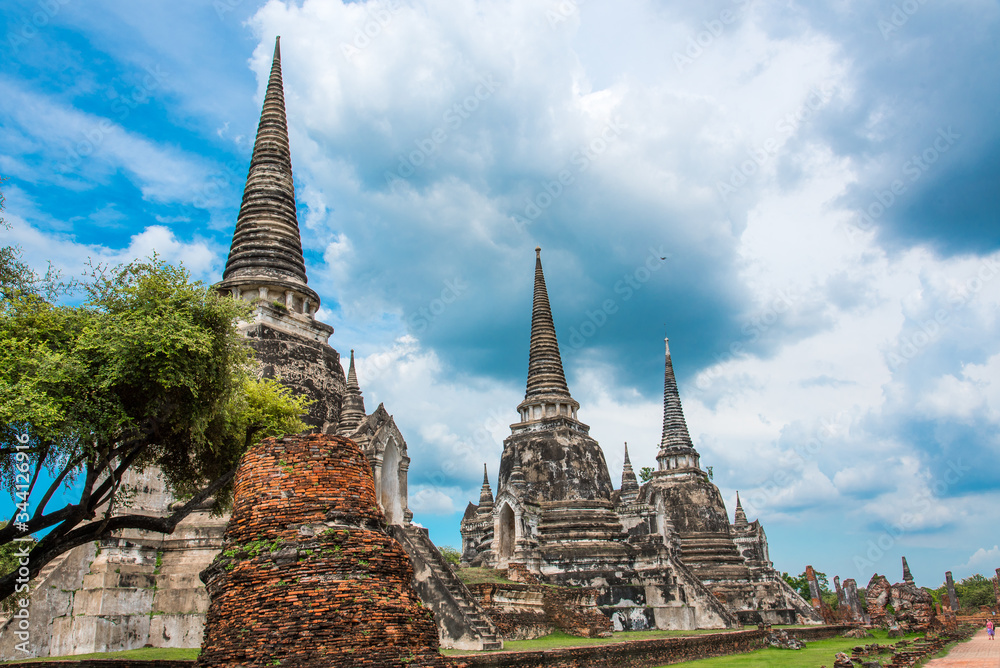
(630, 485)
(545, 370)
(907, 576)
(676, 449)
(741, 516)
(675, 431)
(547, 393)
(267, 249)
(352, 411)
(485, 494)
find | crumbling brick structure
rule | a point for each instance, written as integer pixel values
(903, 604)
(877, 597)
(308, 575)
(524, 611)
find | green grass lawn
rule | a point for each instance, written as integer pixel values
(559, 639)
(482, 575)
(816, 653)
(144, 653)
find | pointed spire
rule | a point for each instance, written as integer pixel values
(907, 576)
(485, 494)
(677, 452)
(675, 431)
(630, 485)
(547, 394)
(267, 249)
(741, 516)
(352, 411)
(545, 370)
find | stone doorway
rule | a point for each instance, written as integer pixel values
(508, 533)
(389, 495)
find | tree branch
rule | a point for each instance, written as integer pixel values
(51, 547)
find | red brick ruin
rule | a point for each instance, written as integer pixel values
(308, 575)
(902, 604)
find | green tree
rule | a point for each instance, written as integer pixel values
(645, 474)
(974, 591)
(150, 370)
(801, 585)
(451, 555)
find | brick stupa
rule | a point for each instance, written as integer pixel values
(308, 575)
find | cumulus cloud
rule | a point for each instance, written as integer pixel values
(201, 257)
(984, 558)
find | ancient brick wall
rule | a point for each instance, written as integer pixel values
(103, 663)
(523, 611)
(574, 611)
(635, 654)
(308, 575)
(516, 610)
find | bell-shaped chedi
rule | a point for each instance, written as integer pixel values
(308, 575)
(558, 458)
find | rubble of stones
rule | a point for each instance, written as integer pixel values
(904, 652)
(857, 633)
(780, 639)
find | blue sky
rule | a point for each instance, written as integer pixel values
(822, 182)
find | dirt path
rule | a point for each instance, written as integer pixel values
(980, 652)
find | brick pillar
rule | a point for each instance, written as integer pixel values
(853, 601)
(952, 596)
(996, 589)
(907, 576)
(814, 593)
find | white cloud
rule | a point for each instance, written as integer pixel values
(984, 558)
(78, 149)
(202, 258)
(430, 501)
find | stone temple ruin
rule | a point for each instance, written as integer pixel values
(662, 555)
(658, 555)
(142, 589)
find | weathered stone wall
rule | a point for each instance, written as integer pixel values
(308, 574)
(559, 463)
(635, 654)
(52, 597)
(305, 366)
(575, 612)
(524, 611)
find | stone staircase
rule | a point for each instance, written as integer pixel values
(462, 624)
